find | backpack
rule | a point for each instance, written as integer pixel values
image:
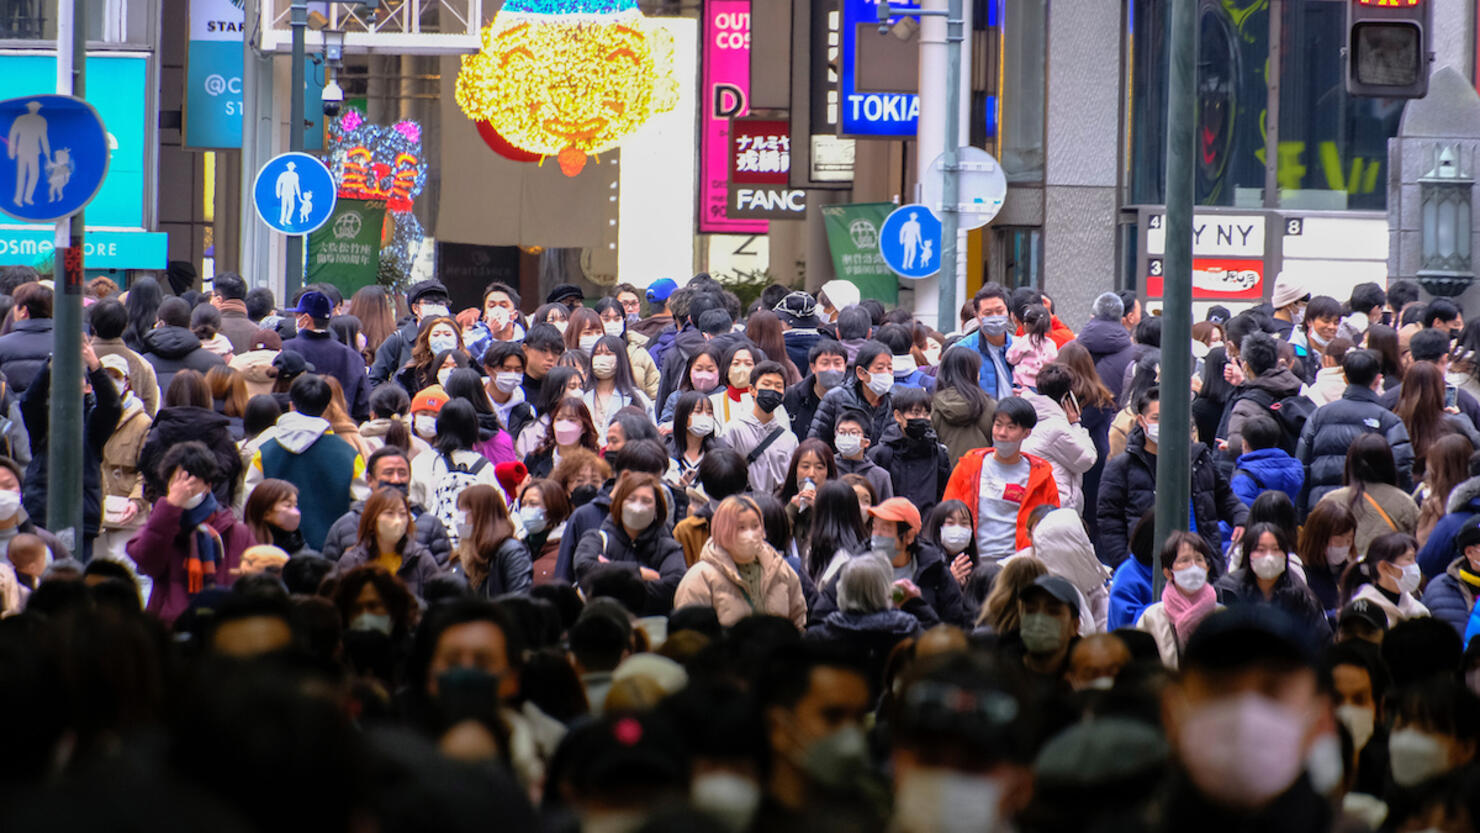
(1289, 413)
(444, 496)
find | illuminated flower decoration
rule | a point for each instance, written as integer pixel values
(372, 162)
(568, 79)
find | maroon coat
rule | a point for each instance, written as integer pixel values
(161, 547)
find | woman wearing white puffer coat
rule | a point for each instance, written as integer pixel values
(1060, 542)
(1058, 437)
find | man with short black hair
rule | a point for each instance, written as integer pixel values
(765, 441)
(327, 354)
(1266, 383)
(260, 304)
(230, 297)
(1330, 431)
(109, 318)
(1442, 314)
(722, 473)
(28, 345)
(991, 339)
(918, 464)
(1001, 485)
(543, 347)
(1130, 307)
(598, 644)
(390, 467)
(502, 320)
(329, 473)
(827, 362)
(1366, 305)
(1264, 465)
(504, 363)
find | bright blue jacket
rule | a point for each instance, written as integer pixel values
(988, 376)
(1130, 593)
(1268, 468)
(1438, 551)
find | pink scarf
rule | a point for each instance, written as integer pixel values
(1187, 612)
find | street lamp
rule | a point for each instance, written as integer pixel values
(1445, 200)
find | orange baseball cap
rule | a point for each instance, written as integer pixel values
(897, 509)
(431, 399)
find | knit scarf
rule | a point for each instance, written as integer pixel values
(1469, 577)
(206, 549)
(1185, 612)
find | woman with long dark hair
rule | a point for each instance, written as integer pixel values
(1370, 490)
(1325, 548)
(1388, 576)
(612, 386)
(700, 374)
(488, 554)
(144, 298)
(812, 465)
(371, 306)
(559, 383)
(1096, 412)
(614, 323)
(961, 412)
(1383, 340)
(1265, 578)
(1447, 466)
(542, 510)
(1421, 407)
(764, 331)
(571, 428)
(436, 339)
(693, 435)
(837, 532)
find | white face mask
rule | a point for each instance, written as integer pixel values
(604, 367)
(638, 517)
(727, 797)
(10, 504)
(1153, 432)
(1242, 750)
(559, 325)
(1268, 566)
(1416, 757)
(532, 518)
(939, 800)
(748, 544)
(955, 537)
(443, 375)
(194, 500)
(848, 444)
(425, 425)
(1359, 721)
(880, 383)
(441, 344)
(464, 524)
(1323, 764)
(1411, 578)
(1336, 556)
(588, 341)
(612, 328)
(498, 319)
(506, 382)
(434, 311)
(1190, 579)
(701, 425)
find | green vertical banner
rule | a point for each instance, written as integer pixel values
(346, 250)
(853, 238)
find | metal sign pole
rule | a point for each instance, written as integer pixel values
(294, 278)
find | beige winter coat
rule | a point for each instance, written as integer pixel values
(714, 582)
(120, 464)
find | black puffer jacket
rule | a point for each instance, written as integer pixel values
(24, 350)
(430, 533)
(100, 418)
(182, 424)
(417, 565)
(655, 549)
(849, 397)
(686, 343)
(1128, 489)
(1290, 595)
(173, 349)
(1331, 430)
(394, 353)
(918, 469)
(510, 570)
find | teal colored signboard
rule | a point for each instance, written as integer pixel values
(213, 80)
(116, 87)
(102, 249)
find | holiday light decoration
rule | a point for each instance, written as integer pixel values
(568, 78)
(373, 162)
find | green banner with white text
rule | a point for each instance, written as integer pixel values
(346, 250)
(853, 238)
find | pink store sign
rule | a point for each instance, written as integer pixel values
(726, 96)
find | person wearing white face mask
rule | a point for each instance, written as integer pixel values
(426, 300)
(1356, 676)
(851, 441)
(1436, 731)
(1242, 719)
(1325, 550)
(613, 387)
(738, 574)
(694, 430)
(488, 554)
(438, 351)
(1388, 576)
(635, 537)
(540, 514)
(501, 320)
(1186, 599)
(867, 390)
(503, 362)
(1265, 580)
(644, 369)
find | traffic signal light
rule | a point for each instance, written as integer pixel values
(1387, 48)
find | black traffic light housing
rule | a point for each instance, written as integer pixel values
(1387, 48)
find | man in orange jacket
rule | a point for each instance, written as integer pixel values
(1001, 485)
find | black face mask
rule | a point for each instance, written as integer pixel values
(582, 495)
(768, 400)
(403, 488)
(917, 428)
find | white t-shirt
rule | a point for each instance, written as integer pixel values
(1003, 488)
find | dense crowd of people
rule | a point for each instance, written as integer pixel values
(668, 560)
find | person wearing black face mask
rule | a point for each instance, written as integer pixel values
(388, 467)
(918, 465)
(766, 442)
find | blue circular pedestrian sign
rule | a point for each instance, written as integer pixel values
(909, 241)
(56, 156)
(294, 193)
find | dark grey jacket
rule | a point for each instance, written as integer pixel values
(1331, 430)
(429, 533)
